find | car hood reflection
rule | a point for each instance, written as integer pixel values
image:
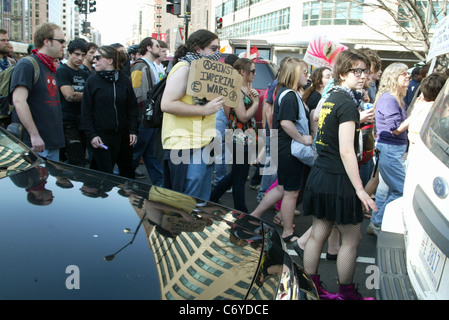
(131, 240)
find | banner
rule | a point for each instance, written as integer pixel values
(440, 41)
(322, 52)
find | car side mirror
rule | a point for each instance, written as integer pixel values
(16, 129)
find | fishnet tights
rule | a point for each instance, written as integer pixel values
(350, 240)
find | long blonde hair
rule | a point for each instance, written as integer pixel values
(389, 83)
(290, 74)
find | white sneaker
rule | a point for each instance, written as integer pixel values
(373, 229)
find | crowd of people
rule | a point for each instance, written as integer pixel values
(98, 113)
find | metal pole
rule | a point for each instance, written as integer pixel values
(187, 18)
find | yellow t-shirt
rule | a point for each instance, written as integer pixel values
(181, 133)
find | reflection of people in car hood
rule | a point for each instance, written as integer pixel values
(177, 212)
(96, 188)
(33, 181)
(171, 211)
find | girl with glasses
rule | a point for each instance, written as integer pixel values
(334, 193)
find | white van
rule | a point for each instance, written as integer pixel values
(413, 246)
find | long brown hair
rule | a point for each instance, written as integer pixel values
(118, 57)
(199, 39)
(317, 80)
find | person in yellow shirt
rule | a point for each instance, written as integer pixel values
(188, 126)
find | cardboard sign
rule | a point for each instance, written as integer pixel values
(322, 52)
(179, 224)
(210, 79)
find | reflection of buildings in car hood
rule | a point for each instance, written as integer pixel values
(198, 260)
(11, 161)
(206, 265)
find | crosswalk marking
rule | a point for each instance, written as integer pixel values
(366, 260)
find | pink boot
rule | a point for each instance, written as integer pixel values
(278, 204)
(349, 292)
(322, 293)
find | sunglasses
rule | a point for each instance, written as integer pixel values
(97, 57)
(61, 41)
(253, 71)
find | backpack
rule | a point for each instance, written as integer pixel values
(152, 117)
(367, 143)
(5, 80)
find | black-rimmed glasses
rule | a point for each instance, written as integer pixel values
(358, 71)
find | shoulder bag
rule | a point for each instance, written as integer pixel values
(305, 154)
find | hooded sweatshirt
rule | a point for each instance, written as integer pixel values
(109, 104)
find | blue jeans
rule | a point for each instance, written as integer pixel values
(144, 149)
(267, 179)
(193, 176)
(381, 198)
(52, 154)
(199, 177)
(221, 167)
(365, 171)
(392, 172)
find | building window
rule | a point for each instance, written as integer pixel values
(422, 7)
(240, 4)
(336, 12)
(272, 22)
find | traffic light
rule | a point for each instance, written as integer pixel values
(92, 6)
(174, 7)
(218, 23)
(86, 27)
(82, 4)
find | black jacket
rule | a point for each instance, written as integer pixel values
(109, 105)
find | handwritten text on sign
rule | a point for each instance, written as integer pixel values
(210, 79)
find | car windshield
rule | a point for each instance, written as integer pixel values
(265, 73)
(13, 156)
(435, 133)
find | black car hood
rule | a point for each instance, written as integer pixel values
(71, 233)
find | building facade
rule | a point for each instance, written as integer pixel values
(69, 19)
(285, 27)
(15, 19)
(277, 27)
(42, 11)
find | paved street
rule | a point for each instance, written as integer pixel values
(327, 269)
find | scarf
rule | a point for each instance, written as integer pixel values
(46, 59)
(109, 75)
(4, 63)
(347, 91)
(192, 56)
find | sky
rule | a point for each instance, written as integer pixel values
(114, 19)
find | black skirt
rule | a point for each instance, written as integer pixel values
(292, 173)
(331, 197)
